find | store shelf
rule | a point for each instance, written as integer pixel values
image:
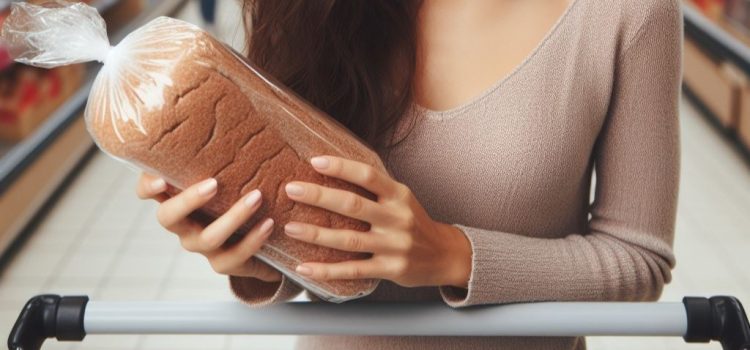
(16, 158)
(25, 152)
(717, 38)
(722, 42)
(59, 143)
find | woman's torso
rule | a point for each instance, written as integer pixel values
(516, 158)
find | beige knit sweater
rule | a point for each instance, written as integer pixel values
(513, 169)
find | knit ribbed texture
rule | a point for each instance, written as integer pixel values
(255, 292)
(513, 170)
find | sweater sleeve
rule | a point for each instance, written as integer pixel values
(255, 292)
(626, 253)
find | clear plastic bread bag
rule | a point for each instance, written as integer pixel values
(173, 101)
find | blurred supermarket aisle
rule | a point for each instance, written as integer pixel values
(100, 240)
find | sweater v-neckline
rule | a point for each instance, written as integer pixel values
(443, 114)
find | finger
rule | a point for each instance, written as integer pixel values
(162, 197)
(220, 229)
(169, 193)
(180, 206)
(233, 258)
(149, 186)
(339, 201)
(361, 174)
(348, 240)
(347, 270)
(185, 229)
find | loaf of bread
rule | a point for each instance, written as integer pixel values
(176, 102)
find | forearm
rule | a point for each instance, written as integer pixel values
(510, 268)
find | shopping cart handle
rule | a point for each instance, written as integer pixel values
(48, 316)
(719, 318)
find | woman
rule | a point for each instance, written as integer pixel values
(492, 116)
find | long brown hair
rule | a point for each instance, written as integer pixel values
(353, 59)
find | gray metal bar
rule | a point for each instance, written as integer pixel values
(358, 318)
(712, 36)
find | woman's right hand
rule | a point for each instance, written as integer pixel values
(236, 259)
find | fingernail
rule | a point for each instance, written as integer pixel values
(265, 228)
(158, 185)
(294, 189)
(293, 229)
(304, 270)
(207, 187)
(320, 162)
(252, 198)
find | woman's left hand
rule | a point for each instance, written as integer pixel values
(407, 246)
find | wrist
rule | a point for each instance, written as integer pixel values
(459, 263)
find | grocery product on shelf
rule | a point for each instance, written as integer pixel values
(5, 59)
(28, 95)
(711, 8)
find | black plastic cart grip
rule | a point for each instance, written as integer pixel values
(46, 316)
(720, 318)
